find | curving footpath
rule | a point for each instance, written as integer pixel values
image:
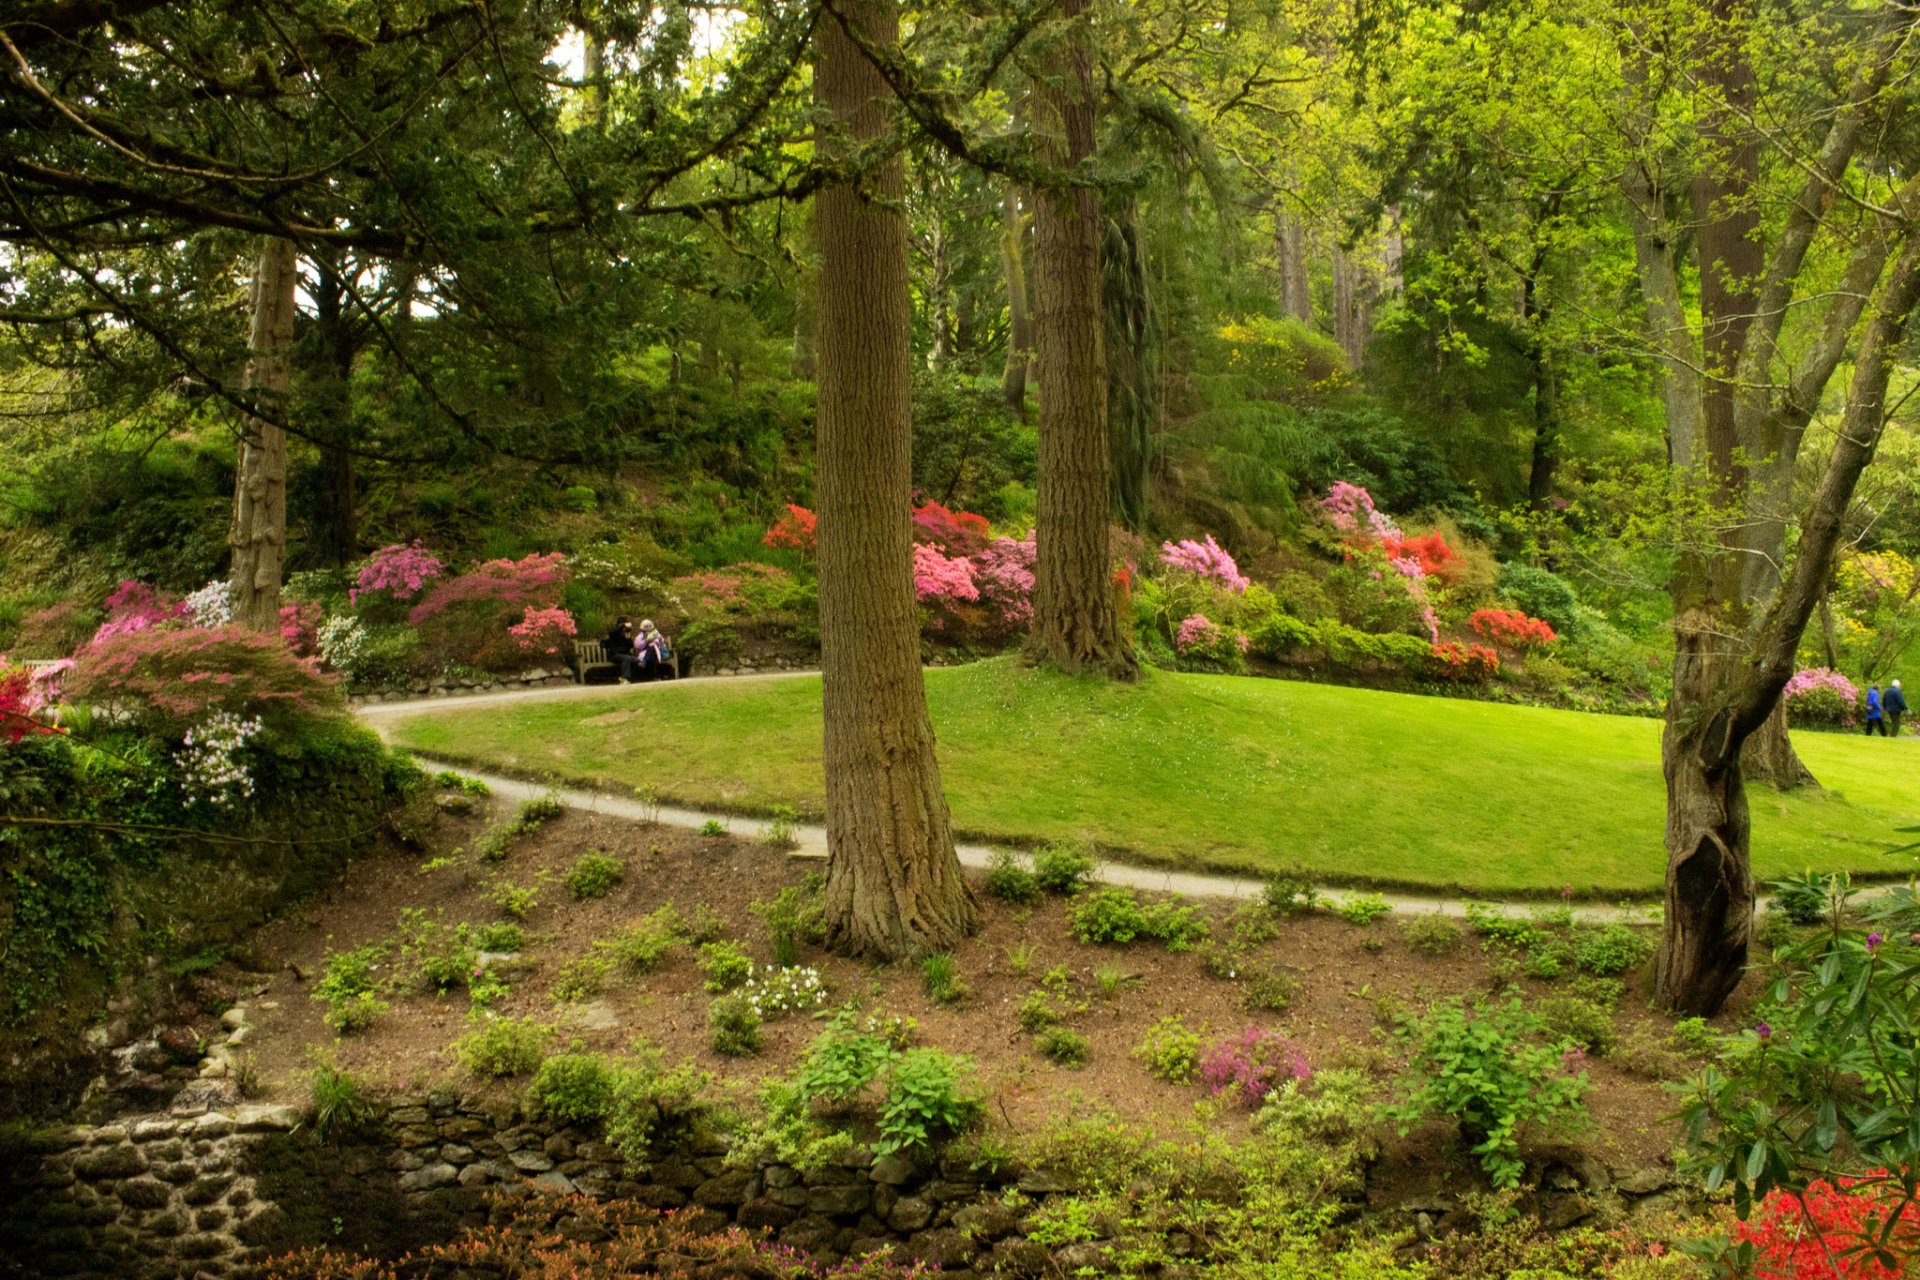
(811, 838)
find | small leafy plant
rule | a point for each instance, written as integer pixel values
(1269, 989)
(594, 875)
(1290, 893)
(1009, 879)
(1431, 935)
(941, 978)
(1247, 1066)
(341, 1105)
(574, 1087)
(351, 988)
(1170, 1051)
(925, 1100)
(503, 1047)
(1610, 950)
(1063, 868)
(1063, 1046)
(713, 827)
(734, 1025)
(1363, 909)
(724, 966)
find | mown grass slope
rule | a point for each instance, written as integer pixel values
(1355, 785)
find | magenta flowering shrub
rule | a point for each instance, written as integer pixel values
(1003, 574)
(169, 678)
(1248, 1066)
(1382, 551)
(397, 572)
(940, 580)
(1205, 645)
(467, 620)
(300, 627)
(1352, 512)
(543, 630)
(1197, 631)
(1204, 560)
(1820, 698)
(135, 606)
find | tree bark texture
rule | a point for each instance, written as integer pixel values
(1133, 364)
(258, 535)
(1013, 264)
(1352, 325)
(894, 885)
(1075, 626)
(334, 535)
(1290, 248)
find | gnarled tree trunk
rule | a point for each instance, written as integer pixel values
(894, 885)
(1074, 619)
(258, 534)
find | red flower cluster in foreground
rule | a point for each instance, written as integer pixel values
(1512, 629)
(1436, 558)
(15, 722)
(1820, 1234)
(1456, 661)
(794, 530)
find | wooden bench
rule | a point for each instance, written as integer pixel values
(593, 653)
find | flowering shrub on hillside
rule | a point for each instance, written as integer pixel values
(397, 572)
(1819, 698)
(1004, 575)
(940, 580)
(210, 764)
(1455, 661)
(794, 530)
(958, 533)
(1428, 550)
(135, 606)
(1512, 629)
(465, 619)
(55, 631)
(170, 678)
(543, 630)
(1206, 645)
(1352, 512)
(1204, 560)
(1818, 1234)
(300, 627)
(211, 605)
(17, 705)
(1248, 1066)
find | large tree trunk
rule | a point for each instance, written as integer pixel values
(1074, 622)
(1133, 365)
(1013, 264)
(1768, 756)
(1290, 248)
(1352, 325)
(335, 531)
(894, 885)
(1546, 391)
(258, 535)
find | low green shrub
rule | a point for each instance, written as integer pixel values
(925, 1100)
(734, 1026)
(1010, 880)
(1056, 1000)
(447, 780)
(1578, 1021)
(1805, 899)
(594, 876)
(536, 812)
(941, 978)
(341, 1106)
(1363, 909)
(1269, 989)
(704, 926)
(582, 977)
(1063, 868)
(1432, 934)
(645, 946)
(1170, 1051)
(1062, 1046)
(351, 988)
(575, 1087)
(652, 1102)
(794, 915)
(1289, 893)
(1500, 929)
(1611, 949)
(503, 1047)
(724, 966)
(503, 936)
(1113, 915)
(713, 827)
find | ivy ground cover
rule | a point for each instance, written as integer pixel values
(1355, 785)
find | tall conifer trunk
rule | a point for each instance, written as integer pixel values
(1074, 620)
(1013, 265)
(258, 535)
(894, 885)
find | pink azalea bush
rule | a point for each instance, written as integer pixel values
(300, 626)
(1003, 573)
(1821, 698)
(1204, 560)
(399, 572)
(543, 630)
(1248, 1066)
(1350, 509)
(169, 678)
(1206, 645)
(938, 579)
(134, 606)
(466, 619)
(1352, 512)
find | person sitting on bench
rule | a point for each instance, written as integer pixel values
(620, 649)
(653, 654)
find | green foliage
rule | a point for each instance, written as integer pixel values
(1806, 899)
(842, 1061)
(351, 987)
(1289, 893)
(1056, 1000)
(733, 1025)
(503, 936)
(1575, 1020)
(536, 812)
(645, 946)
(342, 1107)
(1432, 934)
(1063, 868)
(780, 827)
(575, 1087)
(581, 977)
(1363, 909)
(502, 1047)
(1010, 880)
(1170, 1051)
(941, 978)
(441, 958)
(515, 902)
(1063, 1046)
(1500, 929)
(448, 780)
(1487, 1070)
(925, 1100)
(1611, 949)
(1542, 595)
(594, 875)
(794, 915)
(1269, 990)
(713, 827)
(724, 966)
(651, 1103)
(1113, 915)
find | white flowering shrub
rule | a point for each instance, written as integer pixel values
(210, 767)
(212, 605)
(342, 642)
(772, 992)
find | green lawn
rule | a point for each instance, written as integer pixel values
(1204, 771)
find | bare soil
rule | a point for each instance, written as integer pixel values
(1350, 981)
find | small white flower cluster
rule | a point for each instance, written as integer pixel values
(773, 992)
(341, 642)
(210, 767)
(211, 605)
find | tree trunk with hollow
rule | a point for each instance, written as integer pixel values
(894, 885)
(1075, 626)
(258, 535)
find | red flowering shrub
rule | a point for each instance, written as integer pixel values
(958, 533)
(300, 626)
(1455, 661)
(1820, 1234)
(543, 630)
(1512, 629)
(794, 530)
(466, 620)
(1430, 550)
(169, 678)
(17, 705)
(575, 1238)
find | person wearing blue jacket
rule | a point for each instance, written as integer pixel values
(1894, 703)
(1875, 722)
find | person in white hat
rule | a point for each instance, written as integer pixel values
(652, 651)
(1894, 703)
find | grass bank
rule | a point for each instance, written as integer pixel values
(1355, 785)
